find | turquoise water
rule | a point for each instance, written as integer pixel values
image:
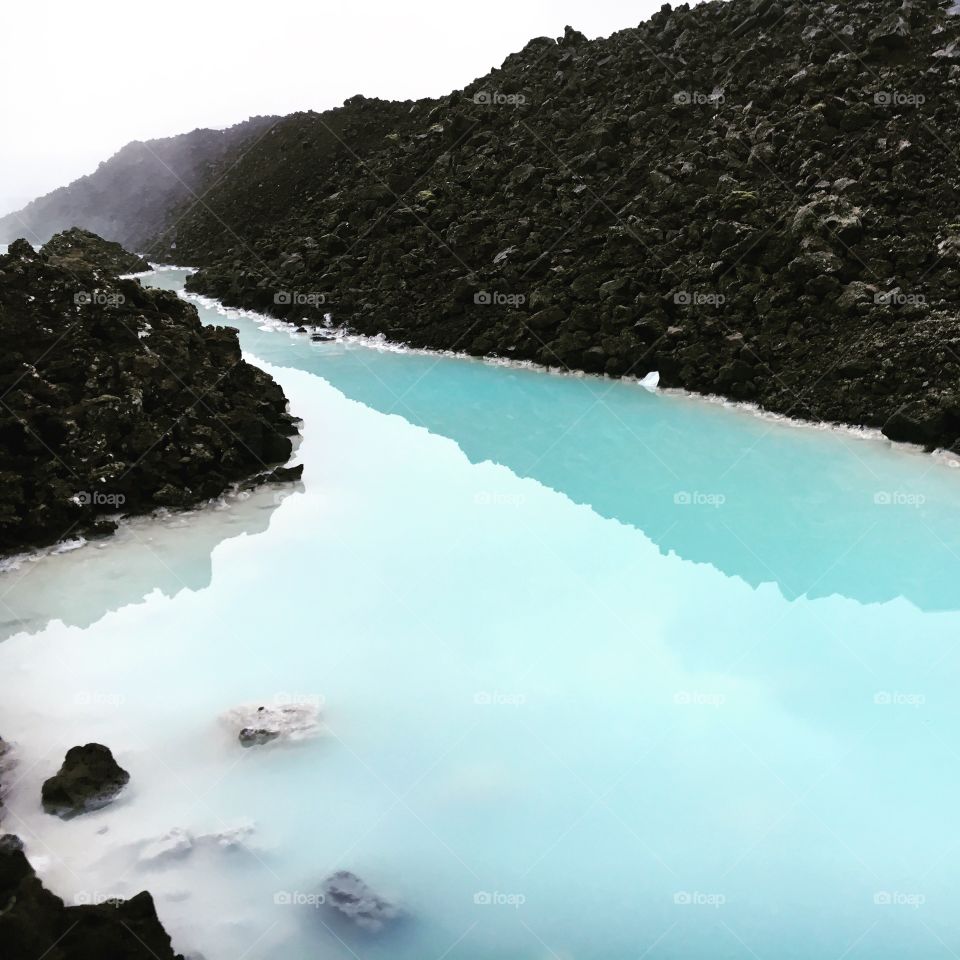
(604, 673)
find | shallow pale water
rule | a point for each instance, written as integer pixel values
(604, 674)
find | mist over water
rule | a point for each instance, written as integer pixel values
(602, 673)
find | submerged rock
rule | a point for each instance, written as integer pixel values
(180, 843)
(89, 779)
(81, 248)
(259, 725)
(34, 923)
(347, 893)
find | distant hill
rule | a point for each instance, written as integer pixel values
(129, 197)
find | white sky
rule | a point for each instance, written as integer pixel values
(83, 77)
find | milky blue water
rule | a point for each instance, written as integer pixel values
(604, 673)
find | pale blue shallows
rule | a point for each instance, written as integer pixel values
(604, 673)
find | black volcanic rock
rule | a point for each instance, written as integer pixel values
(116, 399)
(80, 248)
(34, 923)
(88, 779)
(756, 198)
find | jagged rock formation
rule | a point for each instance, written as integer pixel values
(116, 399)
(756, 198)
(35, 923)
(77, 248)
(129, 197)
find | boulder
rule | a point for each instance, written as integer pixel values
(89, 779)
(346, 893)
(916, 422)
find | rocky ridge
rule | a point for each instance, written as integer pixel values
(129, 197)
(755, 198)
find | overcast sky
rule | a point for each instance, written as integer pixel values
(83, 78)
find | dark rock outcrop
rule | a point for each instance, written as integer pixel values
(117, 400)
(88, 779)
(349, 895)
(80, 248)
(34, 923)
(756, 198)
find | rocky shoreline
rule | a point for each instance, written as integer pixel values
(775, 229)
(36, 923)
(757, 199)
(117, 400)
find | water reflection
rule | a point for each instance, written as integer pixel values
(816, 512)
(168, 554)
